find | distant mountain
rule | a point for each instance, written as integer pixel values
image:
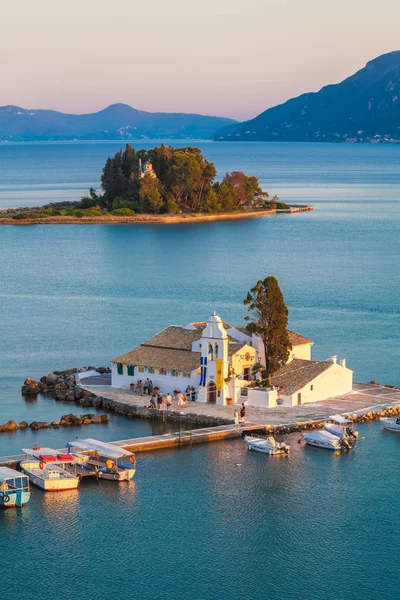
(363, 108)
(116, 122)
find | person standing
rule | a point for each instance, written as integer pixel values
(193, 394)
(243, 414)
(169, 401)
(159, 402)
(236, 417)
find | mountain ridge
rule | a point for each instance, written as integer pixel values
(114, 122)
(364, 107)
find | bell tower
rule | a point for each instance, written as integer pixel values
(214, 362)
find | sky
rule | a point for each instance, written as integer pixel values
(232, 58)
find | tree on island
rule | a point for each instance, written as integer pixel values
(269, 320)
(181, 180)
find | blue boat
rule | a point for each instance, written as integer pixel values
(14, 488)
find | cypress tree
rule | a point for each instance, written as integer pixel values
(269, 320)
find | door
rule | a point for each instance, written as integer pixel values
(246, 373)
(211, 393)
(298, 399)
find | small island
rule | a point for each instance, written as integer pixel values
(163, 184)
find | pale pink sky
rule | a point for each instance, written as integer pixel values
(225, 57)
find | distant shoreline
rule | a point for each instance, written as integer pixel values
(148, 218)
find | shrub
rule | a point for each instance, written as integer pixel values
(282, 206)
(123, 212)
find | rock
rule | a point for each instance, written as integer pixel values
(30, 387)
(96, 419)
(51, 379)
(88, 416)
(85, 402)
(97, 402)
(78, 392)
(23, 425)
(39, 425)
(55, 424)
(9, 426)
(104, 418)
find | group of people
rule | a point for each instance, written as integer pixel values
(145, 387)
(190, 393)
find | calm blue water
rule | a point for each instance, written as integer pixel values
(193, 524)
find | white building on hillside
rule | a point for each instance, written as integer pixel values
(217, 359)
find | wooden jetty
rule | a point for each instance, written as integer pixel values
(168, 440)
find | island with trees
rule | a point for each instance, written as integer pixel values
(160, 184)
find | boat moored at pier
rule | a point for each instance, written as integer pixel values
(391, 424)
(266, 445)
(109, 460)
(327, 441)
(14, 488)
(341, 427)
(49, 469)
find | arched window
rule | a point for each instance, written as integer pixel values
(210, 352)
(216, 350)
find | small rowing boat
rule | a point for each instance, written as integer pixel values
(266, 445)
(390, 424)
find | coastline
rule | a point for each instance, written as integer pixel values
(152, 219)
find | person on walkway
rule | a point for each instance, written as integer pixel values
(168, 400)
(236, 417)
(159, 402)
(193, 394)
(150, 387)
(243, 414)
(146, 386)
(141, 390)
(153, 402)
(183, 400)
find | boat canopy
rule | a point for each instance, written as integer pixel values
(7, 473)
(339, 419)
(104, 449)
(49, 455)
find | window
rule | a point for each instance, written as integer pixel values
(311, 387)
(141, 369)
(188, 375)
(151, 370)
(216, 350)
(174, 373)
(131, 370)
(210, 352)
(163, 371)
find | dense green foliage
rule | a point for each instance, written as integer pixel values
(182, 181)
(269, 320)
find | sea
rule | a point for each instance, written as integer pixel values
(212, 521)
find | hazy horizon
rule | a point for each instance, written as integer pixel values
(221, 58)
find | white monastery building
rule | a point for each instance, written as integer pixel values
(217, 359)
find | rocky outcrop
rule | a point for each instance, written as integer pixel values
(62, 386)
(9, 426)
(30, 388)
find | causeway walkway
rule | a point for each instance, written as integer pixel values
(363, 398)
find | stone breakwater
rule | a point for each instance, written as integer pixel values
(62, 386)
(69, 420)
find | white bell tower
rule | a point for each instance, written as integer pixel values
(214, 362)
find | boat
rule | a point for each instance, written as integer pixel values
(266, 445)
(341, 427)
(326, 440)
(392, 424)
(14, 488)
(110, 461)
(50, 469)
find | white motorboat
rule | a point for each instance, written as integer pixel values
(392, 424)
(341, 427)
(50, 469)
(326, 440)
(266, 445)
(109, 460)
(14, 488)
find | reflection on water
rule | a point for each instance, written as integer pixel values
(59, 504)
